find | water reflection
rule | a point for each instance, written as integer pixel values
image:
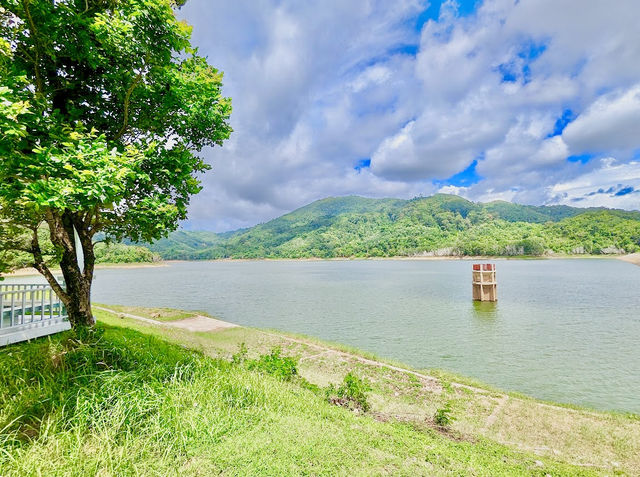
(485, 310)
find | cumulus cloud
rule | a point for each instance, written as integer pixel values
(611, 123)
(611, 184)
(321, 88)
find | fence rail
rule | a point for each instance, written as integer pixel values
(28, 311)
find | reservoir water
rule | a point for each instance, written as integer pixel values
(562, 330)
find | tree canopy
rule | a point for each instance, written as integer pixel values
(104, 105)
(437, 225)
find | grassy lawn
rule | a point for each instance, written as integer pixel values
(148, 400)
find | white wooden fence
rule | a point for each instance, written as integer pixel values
(29, 311)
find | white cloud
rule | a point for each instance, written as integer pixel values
(601, 187)
(436, 145)
(611, 123)
(317, 87)
(376, 74)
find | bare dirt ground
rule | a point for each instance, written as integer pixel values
(632, 258)
(202, 323)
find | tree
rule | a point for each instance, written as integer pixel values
(102, 105)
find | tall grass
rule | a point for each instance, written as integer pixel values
(123, 403)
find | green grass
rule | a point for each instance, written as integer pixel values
(606, 441)
(158, 314)
(129, 403)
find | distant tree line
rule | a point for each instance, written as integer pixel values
(438, 225)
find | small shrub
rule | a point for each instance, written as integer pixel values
(352, 393)
(241, 356)
(283, 367)
(443, 417)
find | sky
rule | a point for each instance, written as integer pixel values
(530, 101)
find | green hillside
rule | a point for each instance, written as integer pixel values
(530, 213)
(438, 225)
(185, 244)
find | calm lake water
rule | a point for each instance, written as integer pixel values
(563, 330)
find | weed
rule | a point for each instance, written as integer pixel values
(446, 386)
(443, 417)
(414, 381)
(132, 404)
(241, 356)
(283, 367)
(352, 393)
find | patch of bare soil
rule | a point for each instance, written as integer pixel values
(632, 258)
(421, 425)
(201, 323)
(195, 323)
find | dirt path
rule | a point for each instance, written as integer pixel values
(202, 323)
(195, 323)
(494, 415)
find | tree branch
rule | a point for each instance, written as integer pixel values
(127, 101)
(57, 232)
(34, 32)
(41, 266)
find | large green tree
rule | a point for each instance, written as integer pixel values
(104, 105)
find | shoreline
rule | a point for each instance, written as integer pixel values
(633, 258)
(366, 357)
(402, 393)
(32, 272)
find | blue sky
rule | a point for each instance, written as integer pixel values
(529, 101)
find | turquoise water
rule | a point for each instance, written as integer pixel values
(562, 330)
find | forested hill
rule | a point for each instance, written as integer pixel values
(437, 225)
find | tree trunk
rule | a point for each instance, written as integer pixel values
(76, 296)
(78, 282)
(78, 290)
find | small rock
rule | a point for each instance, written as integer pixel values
(539, 463)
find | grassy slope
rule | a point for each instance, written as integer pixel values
(136, 404)
(599, 440)
(182, 243)
(158, 314)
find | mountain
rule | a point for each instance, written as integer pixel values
(185, 244)
(438, 225)
(531, 213)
